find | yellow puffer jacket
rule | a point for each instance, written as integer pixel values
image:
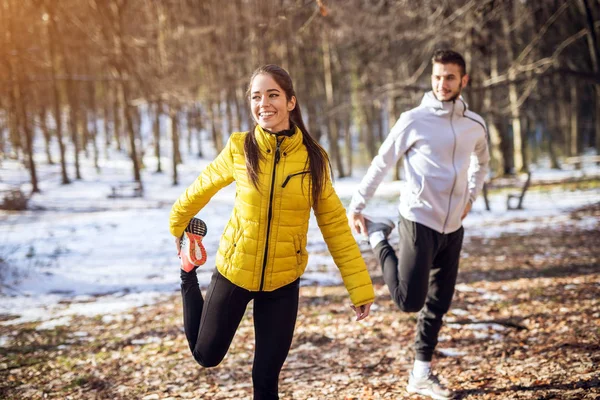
(263, 246)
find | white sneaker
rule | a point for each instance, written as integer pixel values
(428, 386)
(379, 229)
(376, 224)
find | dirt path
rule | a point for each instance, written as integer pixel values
(525, 324)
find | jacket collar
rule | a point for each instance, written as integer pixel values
(267, 140)
(444, 108)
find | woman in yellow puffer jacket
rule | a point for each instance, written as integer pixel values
(281, 172)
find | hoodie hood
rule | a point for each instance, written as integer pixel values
(458, 106)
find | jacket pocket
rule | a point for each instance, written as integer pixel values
(415, 192)
(410, 229)
(290, 176)
(298, 248)
(235, 240)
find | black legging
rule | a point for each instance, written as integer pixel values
(210, 325)
(423, 278)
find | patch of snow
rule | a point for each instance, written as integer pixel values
(463, 287)
(479, 326)
(53, 323)
(116, 318)
(492, 296)
(78, 252)
(148, 340)
(451, 352)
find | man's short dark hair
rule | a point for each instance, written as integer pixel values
(449, 57)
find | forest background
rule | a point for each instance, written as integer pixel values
(110, 108)
(88, 75)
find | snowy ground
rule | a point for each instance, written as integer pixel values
(78, 252)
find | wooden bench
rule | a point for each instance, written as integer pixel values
(126, 189)
(13, 199)
(578, 161)
(519, 196)
(515, 182)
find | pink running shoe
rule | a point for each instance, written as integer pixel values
(193, 253)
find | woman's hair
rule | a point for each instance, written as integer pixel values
(317, 157)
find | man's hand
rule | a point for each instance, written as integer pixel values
(178, 245)
(362, 312)
(357, 221)
(467, 210)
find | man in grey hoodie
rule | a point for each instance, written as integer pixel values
(445, 151)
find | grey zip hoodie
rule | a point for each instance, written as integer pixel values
(445, 163)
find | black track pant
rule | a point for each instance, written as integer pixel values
(422, 278)
(211, 324)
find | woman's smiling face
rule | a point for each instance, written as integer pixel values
(269, 105)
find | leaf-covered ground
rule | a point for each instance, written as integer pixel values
(525, 324)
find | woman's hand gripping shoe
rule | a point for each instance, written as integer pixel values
(192, 253)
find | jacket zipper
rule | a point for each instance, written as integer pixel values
(453, 167)
(270, 215)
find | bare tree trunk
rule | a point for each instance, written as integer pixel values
(46, 133)
(106, 117)
(574, 137)
(594, 48)
(216, 134)
(359, 116)
(13, 115)
(563, 115)
(73, 98)
(73, 124)
(2, 138)
(14, 123)
(189, 128)
(94, 116)
(519, 162)
(51, 34)
(392, 118)
(597, 118)
(239, 108)
(550, 132)
(332, 128)
(116, 37)
(505, 146)
(17, 73)
(199, 128)
(313, 125)
(497, 161)
(116, 115)
(82, 127)
(128, 112)
(526, 124)
(175, 141)
(28, 131)
(156, 130)
(228, 112)
(136, 117)
(368, 134)
(347, 120)
(515, 112)
(378, 124)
